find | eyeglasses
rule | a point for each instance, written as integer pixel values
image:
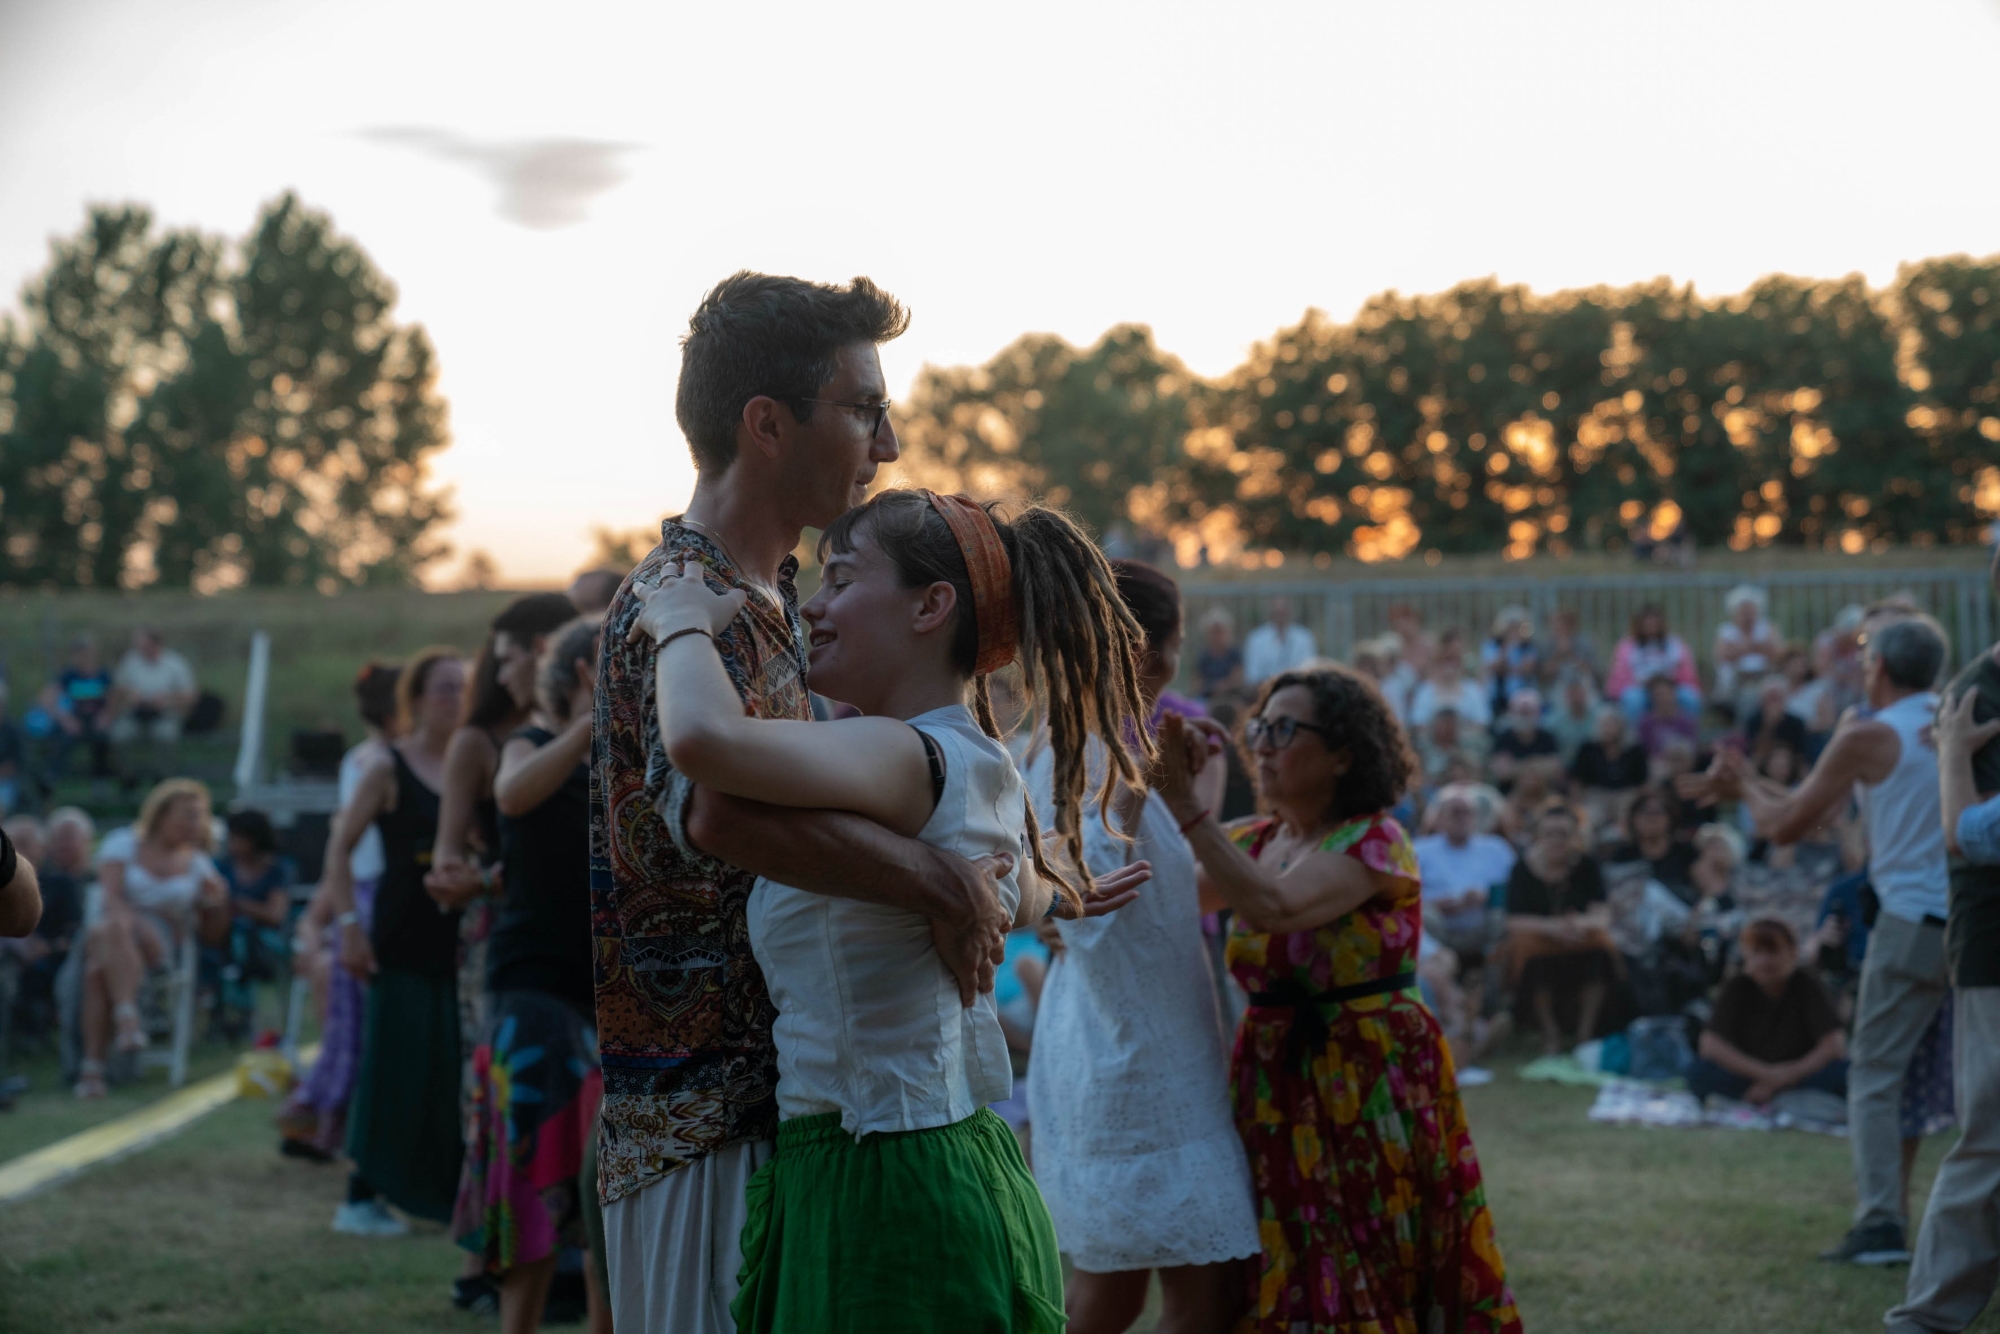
(880, 410)
(1281, 732)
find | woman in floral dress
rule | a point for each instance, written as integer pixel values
(1371, 1208)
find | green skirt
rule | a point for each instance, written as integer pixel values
(921, 1231)
(403, 1128)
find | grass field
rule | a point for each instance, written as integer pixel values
(1606, 1231)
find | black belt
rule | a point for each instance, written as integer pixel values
(1308, 1023)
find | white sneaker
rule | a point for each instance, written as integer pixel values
(1472, 1076)
(368, 1218)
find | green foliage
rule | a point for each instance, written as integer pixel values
(1798, 413)
(180, 411)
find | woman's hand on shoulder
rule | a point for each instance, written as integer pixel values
(682, 600)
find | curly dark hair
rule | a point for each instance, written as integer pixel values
(1355, 718)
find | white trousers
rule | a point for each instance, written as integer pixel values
(674, 1248)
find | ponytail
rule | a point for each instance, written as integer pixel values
(1076, 643)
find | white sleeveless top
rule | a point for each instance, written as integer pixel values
(870, 1024)
(168, 896)
(1906, 851)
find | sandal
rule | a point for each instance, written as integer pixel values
(90, 1080)
(131, 1028)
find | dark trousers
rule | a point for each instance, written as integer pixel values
(1706, 1077)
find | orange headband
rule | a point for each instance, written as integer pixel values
(992, 576)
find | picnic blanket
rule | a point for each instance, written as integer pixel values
(1633, 1102)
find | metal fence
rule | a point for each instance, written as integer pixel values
(1341, 613)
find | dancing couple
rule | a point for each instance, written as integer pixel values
(797, 922)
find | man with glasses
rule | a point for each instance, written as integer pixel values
(782, 401)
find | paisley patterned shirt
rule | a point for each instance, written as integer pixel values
(683, 1019)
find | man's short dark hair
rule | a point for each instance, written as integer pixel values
(759, 335)
(1911, 653)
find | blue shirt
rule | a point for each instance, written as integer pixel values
(1979, 833)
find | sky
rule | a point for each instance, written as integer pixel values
(553, 187)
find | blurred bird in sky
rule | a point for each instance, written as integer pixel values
(544, 183)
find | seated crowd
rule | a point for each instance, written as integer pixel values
(1575, 884)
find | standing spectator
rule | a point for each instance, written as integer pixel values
(536, 1082)
(1666, 718)
(1521, 739)
(1574, 718)
(1569, 651)
(1448, 686)
(1558, 943)
(1278, 645)
(154, 690)
(1510, 658)
(404, 1134)
(1219, 666)
(1774, 1027)
(1747, 646)
(1904, 978)
(1650, 650)
(83, 708)
(1958, 1252)
(313, 1121)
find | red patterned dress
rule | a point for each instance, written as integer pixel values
(1370, 1205)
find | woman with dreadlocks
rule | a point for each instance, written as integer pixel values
(896, 1200)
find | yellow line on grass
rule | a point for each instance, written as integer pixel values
(123, 1135)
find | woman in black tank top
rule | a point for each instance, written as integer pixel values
(536, 1083)
(403, 1129)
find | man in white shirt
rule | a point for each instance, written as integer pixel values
(1460, 867)
(1277, 646)
(155, 689)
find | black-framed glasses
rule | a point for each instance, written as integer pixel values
(880, 410)
(1281, 732)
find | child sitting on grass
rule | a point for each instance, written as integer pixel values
(1774, 1026)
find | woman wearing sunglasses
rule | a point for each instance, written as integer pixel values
(1369, 1195)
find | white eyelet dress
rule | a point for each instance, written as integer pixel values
(1135, 1147)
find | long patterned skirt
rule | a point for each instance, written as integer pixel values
(535, 1090)
(1371, 1206)
(316, 1111)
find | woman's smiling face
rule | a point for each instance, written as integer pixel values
(861, 623)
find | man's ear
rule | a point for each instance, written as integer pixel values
(935, 610)
(764, 427)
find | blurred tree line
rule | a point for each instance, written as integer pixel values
(178, 410)
(1798, 413)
